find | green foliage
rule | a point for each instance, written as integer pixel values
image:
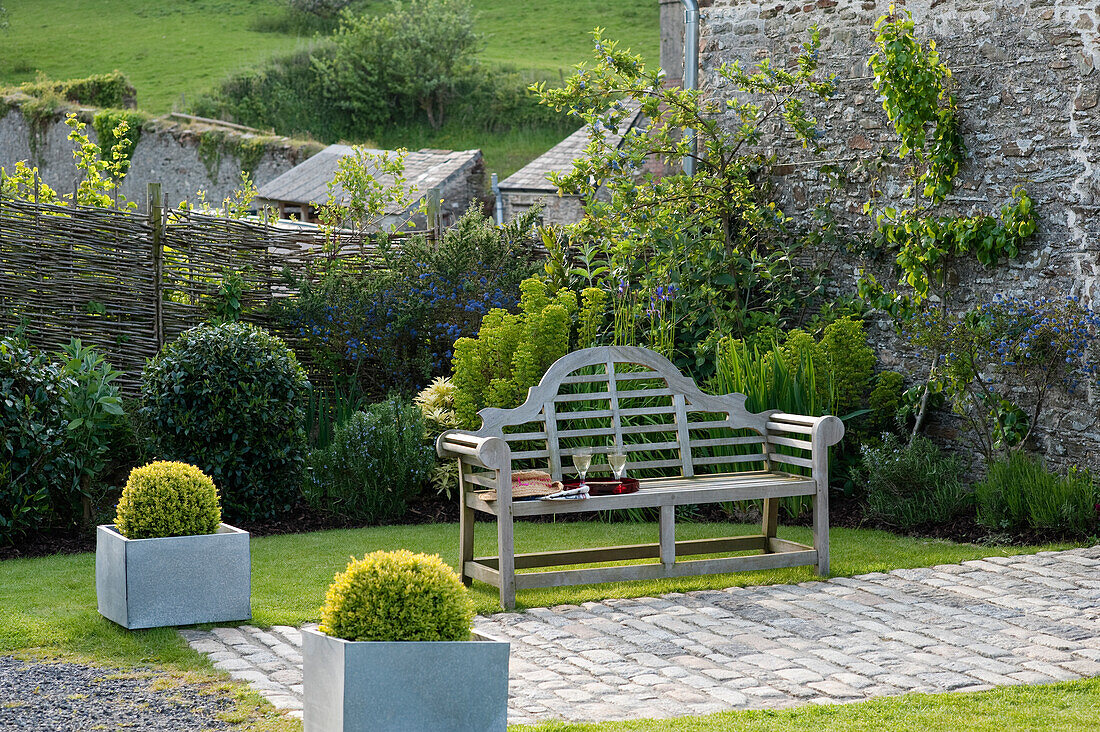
(411, 56)
(321, 8)
(93, 408)
(512, 352)
(799, 347)
(1020, 495)
(1006, 355)
(33, 456)
(716, 236)
(913, 83)
(111, 90)
(913, 485)
(226, 305)
(119, 128)
(377, 461)
(928, 247)
(167, 499)
(771, 379)
(851, 361)
(25, 184)
(378, 330)
(358, 194)
(397, 596)
(101, 177)
(885, 400)
(592, 315)
(230, 398)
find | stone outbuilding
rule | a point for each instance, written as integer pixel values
(530, 184)
(454, 179)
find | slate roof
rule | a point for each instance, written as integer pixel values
(532, 177)
(308, 182)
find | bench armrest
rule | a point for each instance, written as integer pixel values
(822, 431)
(488, 452)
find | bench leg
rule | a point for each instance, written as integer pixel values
(667, 533)
(466, 538)
(507, 558)
(771, 521)
(821, 530)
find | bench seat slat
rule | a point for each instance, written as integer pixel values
(669, 491)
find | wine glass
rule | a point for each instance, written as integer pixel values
(617, 461)
(582, 458)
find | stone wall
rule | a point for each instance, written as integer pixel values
(1028, 90)
(168, 153)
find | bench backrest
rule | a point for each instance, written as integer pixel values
(636, 400)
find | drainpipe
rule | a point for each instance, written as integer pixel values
(499, 208)
(691, 68)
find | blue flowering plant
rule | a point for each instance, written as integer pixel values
(999, 363)
(376, 330)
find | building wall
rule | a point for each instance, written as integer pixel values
(556, 209)
(167, 153)
(1027, 90)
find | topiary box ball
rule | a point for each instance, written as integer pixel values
(168, 499)
(397, 596)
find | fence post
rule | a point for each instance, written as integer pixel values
(156, 222)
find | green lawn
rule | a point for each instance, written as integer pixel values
(48, 604)
(47, 607)
(183, 48)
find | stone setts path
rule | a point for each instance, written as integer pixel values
(1029, 619)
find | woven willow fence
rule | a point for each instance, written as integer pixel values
(127, 282)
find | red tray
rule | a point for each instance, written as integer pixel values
(606, 487)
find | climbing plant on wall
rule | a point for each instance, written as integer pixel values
(927, 240)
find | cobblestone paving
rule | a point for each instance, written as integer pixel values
(963, 627)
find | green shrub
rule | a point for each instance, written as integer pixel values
(97, 90)
(167, 499)
(33, 455)
(886, 400)
(913, 485)
(512, 352)
(397, 596)
(376, 462)
(231, 398)
(851, 360)
(1019, 495)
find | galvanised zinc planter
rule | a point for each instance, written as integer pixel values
(176, 580)
(436, 686)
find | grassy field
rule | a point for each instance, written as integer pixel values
(170, 50)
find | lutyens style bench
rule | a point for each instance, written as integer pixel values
(686, 447)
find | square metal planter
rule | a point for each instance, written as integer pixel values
(436, 686)
(177, 580)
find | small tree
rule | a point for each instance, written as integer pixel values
(416, 53)
(715, 235)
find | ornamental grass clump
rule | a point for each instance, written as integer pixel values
(397, 596)
(168, 499)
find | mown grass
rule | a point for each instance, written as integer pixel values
(48, 608)
(48, 604)
(184, 48)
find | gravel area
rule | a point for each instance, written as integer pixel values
(66, 696)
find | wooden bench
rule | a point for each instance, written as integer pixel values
(701, 449)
